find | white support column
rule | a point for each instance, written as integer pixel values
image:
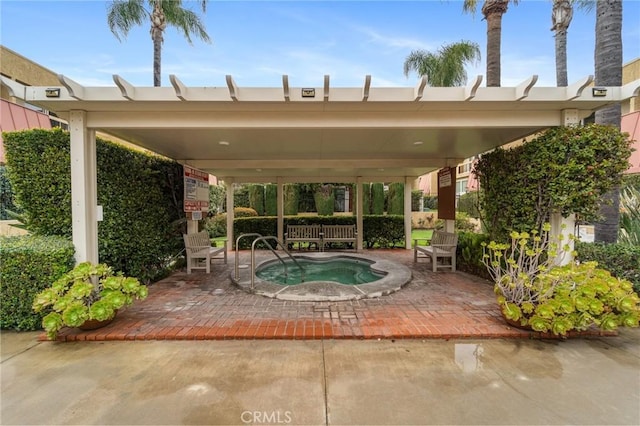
(564, 227)
(407, 212)
(280, 209)
(84, 188)
(359, 215)
(230, 237)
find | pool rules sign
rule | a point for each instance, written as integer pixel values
(196, 192)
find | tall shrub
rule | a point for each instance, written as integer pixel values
(325, 200)
(366, 198)
(565, 169)
(377, 198)
(416, 196)
(396, 198)
(256, 198)
(28, 265)
(291, 199)
(141, 197)
(271, 199)
(6, 195)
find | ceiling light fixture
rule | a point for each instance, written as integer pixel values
(223, 143)
(418, 143)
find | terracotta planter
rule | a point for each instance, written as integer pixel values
(94, 324)
(516, 324)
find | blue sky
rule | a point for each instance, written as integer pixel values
(259, 41)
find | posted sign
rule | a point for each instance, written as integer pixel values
(447, 193)
(196, 190)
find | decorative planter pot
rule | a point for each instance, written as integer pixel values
(516, 324)
(94, 324)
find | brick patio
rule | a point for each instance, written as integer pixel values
(202, 306)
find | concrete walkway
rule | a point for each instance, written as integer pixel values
(321, 382)
(202, 306)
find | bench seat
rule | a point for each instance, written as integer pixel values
(443, 245)
(199, 250)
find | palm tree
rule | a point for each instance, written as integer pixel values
(492, 11)
(608, 72)
(122, 15)
(446, 67)
(560, 20)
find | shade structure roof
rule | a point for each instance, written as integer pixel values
(324, 133)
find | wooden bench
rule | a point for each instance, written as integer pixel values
(303, 234)
(339, 234)
(198, 249)
(443, 245)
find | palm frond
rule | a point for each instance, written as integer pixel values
(122, 15)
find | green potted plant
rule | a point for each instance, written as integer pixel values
(536, 294)
(89, 292)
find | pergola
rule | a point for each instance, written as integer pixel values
(303, 134)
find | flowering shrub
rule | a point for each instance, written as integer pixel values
(86, 292)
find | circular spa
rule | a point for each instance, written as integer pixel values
(325, 277)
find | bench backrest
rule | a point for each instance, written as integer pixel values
(339, 231)
(303, 231)
(445, 238)
(197, 241)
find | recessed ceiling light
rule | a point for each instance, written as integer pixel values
(258, 170)
(224, 143)
(418, 143)
(381, 170)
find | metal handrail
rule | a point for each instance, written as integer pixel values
(237, 254)
(253, 257)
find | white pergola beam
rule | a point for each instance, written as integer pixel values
(285, 88)
(179, 87)
(127, 90)
(366, 88)
(575, 90)
(471, 89)
(418, 91)
(326, 88)
(522, 90)
(233, 89)
(75, 89)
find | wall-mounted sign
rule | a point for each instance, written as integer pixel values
(447, 193)
(196, 190)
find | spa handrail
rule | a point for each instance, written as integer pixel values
(254, 234)
(253, 257)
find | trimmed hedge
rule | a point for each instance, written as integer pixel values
(381, 231)
(256, 198)
(325, 200)
(291, 198)
(271, 199)
(396, 198)
(622, 260)
(377, 198)
(366, 198)
(28, 265)
(416, 196)
(141, 195)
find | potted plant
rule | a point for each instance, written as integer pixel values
(534, 293)
(89, 292)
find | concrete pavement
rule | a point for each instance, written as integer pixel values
(471, 381)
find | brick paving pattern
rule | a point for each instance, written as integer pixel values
(200, 306)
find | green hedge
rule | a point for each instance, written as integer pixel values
(256, 198)
(469, 253)
(271, 199)
(291, 199)
(325, 200)
(141, 197)
(622, 260)
(396, 198)
(6, 196)
(379, 231)
(416, 196)
(366, 198)
(28, 265)
(377, 198)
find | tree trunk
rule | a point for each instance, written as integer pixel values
(608, 72)
(493, 11)
(560, 20)
(158, 24)
(561, 58)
